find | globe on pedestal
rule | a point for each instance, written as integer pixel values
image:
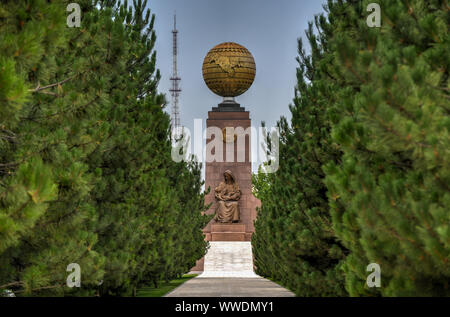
(229, 69)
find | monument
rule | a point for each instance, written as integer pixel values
(229, 70)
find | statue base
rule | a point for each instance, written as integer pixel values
(228, 232)
(228, 105)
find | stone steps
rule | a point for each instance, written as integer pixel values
(229, 259)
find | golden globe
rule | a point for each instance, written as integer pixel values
(229, 69)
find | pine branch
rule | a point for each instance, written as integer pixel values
(66, 110)
(8, 138)
(39, 88)
(41, 288)
(2, 129)
(49, 93)
(12, 164)
(11, 284)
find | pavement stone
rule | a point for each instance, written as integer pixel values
(230, 287)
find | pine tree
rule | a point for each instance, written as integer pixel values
(295, 242)
(26, 184)
(187, 180)
(139, 208)
(390, 191)
(45, 130)
(94, 177)
(373, 116)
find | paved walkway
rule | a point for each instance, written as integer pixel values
(228, 272)
(230, 287)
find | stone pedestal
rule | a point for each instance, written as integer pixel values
(234, 116)
(228, 232)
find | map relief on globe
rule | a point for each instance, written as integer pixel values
(229, 69)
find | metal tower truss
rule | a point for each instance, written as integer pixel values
(175, 90)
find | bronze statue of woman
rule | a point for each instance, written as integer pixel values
(227, 196)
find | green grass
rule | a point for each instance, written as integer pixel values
(163, 288)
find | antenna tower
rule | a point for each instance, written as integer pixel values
(176, 90)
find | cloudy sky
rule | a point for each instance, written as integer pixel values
(268, 28)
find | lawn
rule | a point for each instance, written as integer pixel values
(163, 288)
